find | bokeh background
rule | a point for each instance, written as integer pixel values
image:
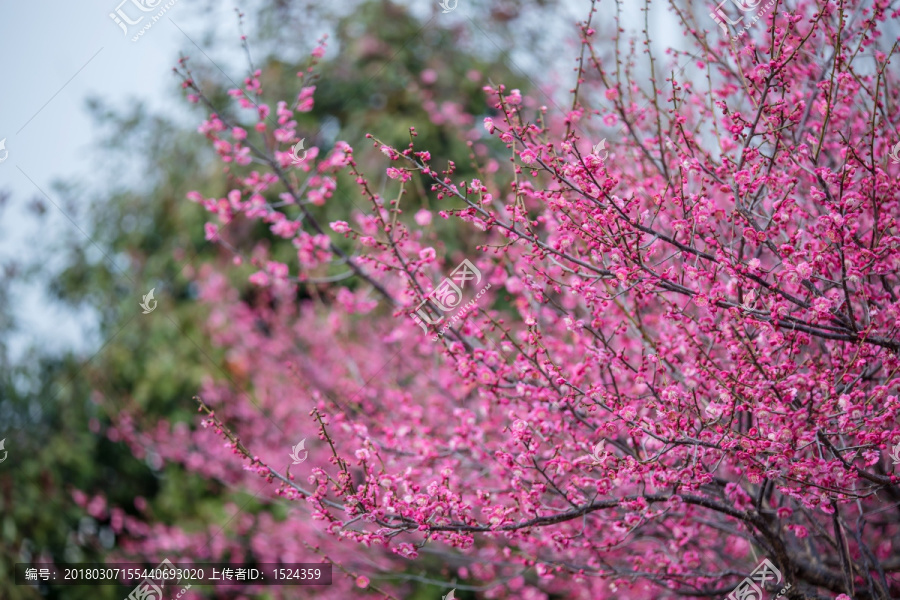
(102, 150)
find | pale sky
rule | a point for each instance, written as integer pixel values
(54, 55)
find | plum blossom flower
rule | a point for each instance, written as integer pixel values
(277, 270)
(821, 306)
(427, 254)
(528, 156)
(784, 512)
(259, 278)
(401, 174)
(305, 101)
(423, 217)
(340, 226)
(714, 410)
(390, 153)
(429, 76)
(803, 270)
(212, 231)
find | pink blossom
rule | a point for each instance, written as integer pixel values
(514, 285)
(259, 278)
(340, 226)
(277, 270)
(427, 254)
(305, 99)
(211, 231)
(822, 306)
(401, 174)
(390, 152)
(79, 497)
(804, 270)
(429, 76)
(423, 217)
(528, 156)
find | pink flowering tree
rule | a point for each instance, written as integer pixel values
(656, 362)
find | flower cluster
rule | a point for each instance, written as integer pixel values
(716, 301)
